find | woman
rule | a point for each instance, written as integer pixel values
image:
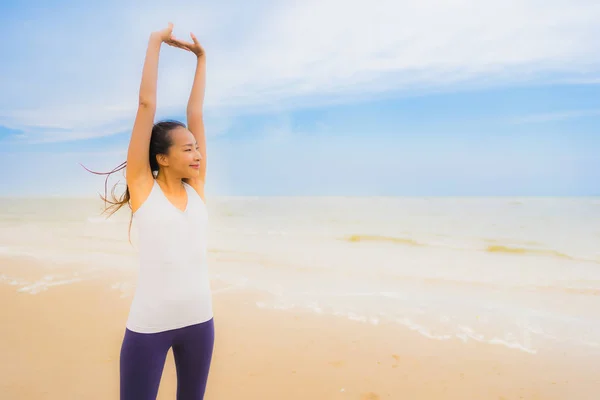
(172, 306)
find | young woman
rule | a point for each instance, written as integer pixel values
(172, 305)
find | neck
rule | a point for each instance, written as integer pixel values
(170, 184)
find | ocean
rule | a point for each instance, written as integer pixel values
(523, 273)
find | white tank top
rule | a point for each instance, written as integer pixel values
(173, 289)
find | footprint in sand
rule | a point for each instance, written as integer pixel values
(369, 396)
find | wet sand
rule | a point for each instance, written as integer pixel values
(64, 343)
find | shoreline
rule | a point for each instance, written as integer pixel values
(64, 343)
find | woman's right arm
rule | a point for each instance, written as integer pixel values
(138, 165)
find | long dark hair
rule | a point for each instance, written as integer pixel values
(160, 141)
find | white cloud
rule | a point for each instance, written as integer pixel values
(555, 116)
(278, 54)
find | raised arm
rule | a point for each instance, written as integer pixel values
(195, 107)
(138, 164)
(195, 113)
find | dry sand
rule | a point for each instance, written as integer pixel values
(64, 343)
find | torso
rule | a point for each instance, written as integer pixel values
(173, 287)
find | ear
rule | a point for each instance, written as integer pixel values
(162, 160)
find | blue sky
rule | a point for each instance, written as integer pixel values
(328, 97)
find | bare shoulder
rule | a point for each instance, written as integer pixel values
(198, 185)
(139, 189)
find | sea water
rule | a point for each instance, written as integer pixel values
(518, 272)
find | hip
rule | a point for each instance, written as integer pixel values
(155, 314)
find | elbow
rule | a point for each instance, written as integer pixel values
(145, 102)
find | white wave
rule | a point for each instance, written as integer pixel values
(413, 326)
(125, 288)
(45, 283)
(464, 333)
(511, 345)
(468, 333)
(12, 281)
(20, 252)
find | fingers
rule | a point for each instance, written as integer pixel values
(183, 42)
(176, 43)
(194, 47)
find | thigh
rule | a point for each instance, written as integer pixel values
(142, 362)
(192, 351)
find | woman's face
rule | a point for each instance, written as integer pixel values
(184, 155)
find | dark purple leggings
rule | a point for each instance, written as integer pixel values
(143, 358)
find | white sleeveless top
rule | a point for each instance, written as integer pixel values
(173, 289)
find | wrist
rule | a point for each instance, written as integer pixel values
(156, 37)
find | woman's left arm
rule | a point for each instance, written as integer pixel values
(195, 114)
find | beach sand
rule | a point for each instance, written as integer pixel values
(64, 343)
